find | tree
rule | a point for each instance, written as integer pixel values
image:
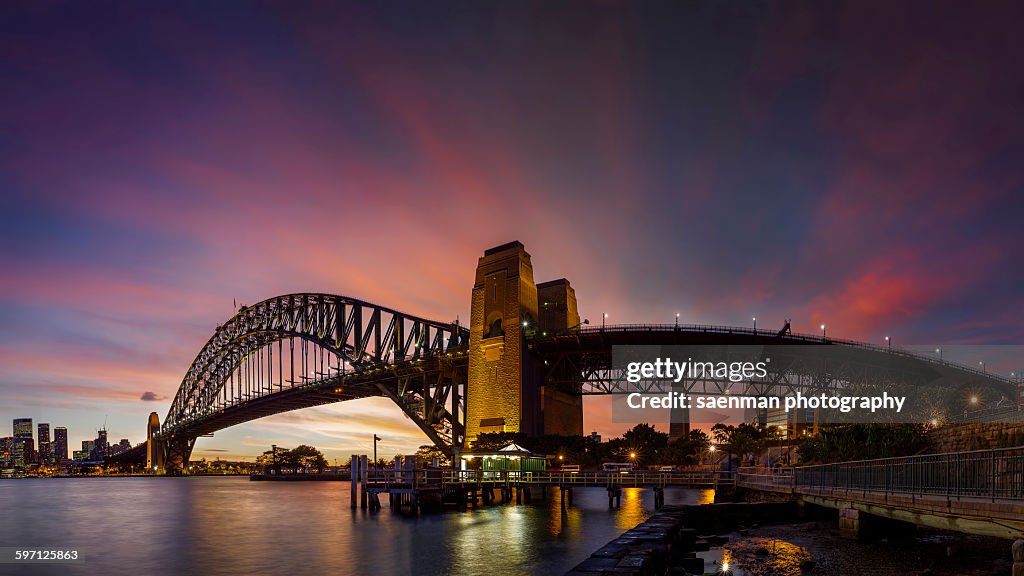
(744, 439)
(426, 454)
(269, 460)
(687, 449)
(307, 457)
(491, 441)
(649, 445)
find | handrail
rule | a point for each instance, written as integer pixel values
(996, 473)
(391, 478)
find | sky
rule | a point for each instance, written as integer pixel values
(849, 163)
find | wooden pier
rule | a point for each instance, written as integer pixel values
(412, 489)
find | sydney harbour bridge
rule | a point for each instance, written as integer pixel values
(522, 364)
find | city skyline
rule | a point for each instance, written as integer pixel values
(151, 183)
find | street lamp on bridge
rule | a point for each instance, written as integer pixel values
(982, 364)
(755, 324)
(604, 316)
(939, 352)
(677, 320)
(888, 342)
(822, 330)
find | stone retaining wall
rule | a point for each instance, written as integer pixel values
(960, 437)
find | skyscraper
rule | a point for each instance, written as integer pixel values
(60, 444)
(7, 451)
(25, 446)
(101, 449)
(88, 450)
(45, 453)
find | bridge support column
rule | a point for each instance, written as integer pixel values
(849, 523)
(1018, 557)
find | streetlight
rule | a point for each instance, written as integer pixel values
(375, 440)
(822, 330)
(974, 399)
(604, 316)
(939, 352)
(677, 320)
(755, 324)
(888, 342)
(982, 366)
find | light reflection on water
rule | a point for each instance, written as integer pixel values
(233, 526)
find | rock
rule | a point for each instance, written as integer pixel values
(694, 565)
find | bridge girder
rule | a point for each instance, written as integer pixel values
(375, 350)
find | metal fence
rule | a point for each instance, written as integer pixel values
(430, 477)
(993, 474)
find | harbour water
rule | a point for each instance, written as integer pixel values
(229, 525)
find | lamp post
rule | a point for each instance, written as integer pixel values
(939, 352)
(982, 364)
(604, 316)
(755, 324)
(888, 342)
(822, 330)
(375, 440)
(677, 320)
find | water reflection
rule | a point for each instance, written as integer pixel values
(232, 526)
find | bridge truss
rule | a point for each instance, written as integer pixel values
(582, 362)
(303, 350)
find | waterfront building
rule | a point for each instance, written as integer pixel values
(23, 435)
(60, 444)
(45, 453)
(512, 460)
(6, 451)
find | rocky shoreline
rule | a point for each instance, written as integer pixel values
(770, 539)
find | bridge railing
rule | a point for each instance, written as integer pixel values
(992, 474)
(1009, 413)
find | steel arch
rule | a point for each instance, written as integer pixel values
(364, 337)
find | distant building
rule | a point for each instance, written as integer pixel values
(60, 444)
(123, 446)
(100, 449)
(45, 453)
(88, 447)
(81, 455)
(25, 452)
(794, 424)
(595, 437)
(7, 452)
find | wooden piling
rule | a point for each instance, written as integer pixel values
(353, 480)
